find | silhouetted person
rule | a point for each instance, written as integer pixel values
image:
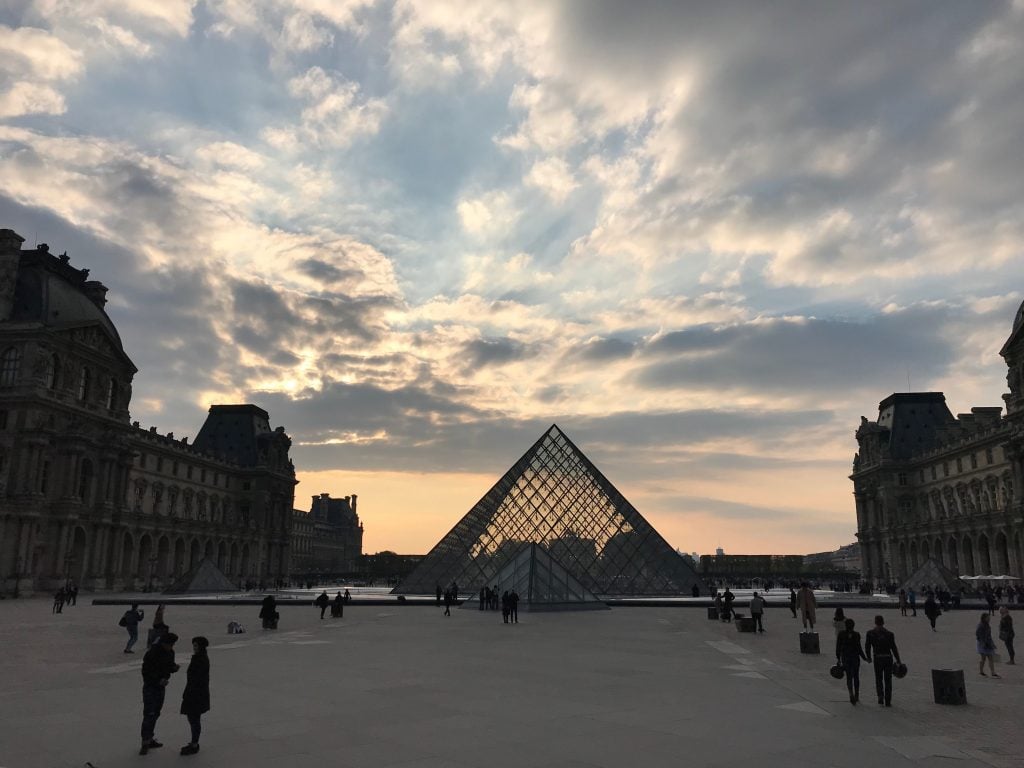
(1006, 633)
(727, 601)
(348, 597)
(931, 609)
(195, 700)
(268, 612)
(130, 621)
(439, 592)
(848, 654)
(159, 628)
(839, 620)
(695, 591)
(72, 592)
(903, 602)
(447, 602)
(505, 606)
(986, 646)
(882, 643)
(157, 667)
(484, 595)
(792, 601)
(757, 611)
(990, 598)
(912, 599)
(513, 607)
(322, 601)
(338, 607)
(58, 601)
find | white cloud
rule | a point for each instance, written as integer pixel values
(553, 176)
(488, 214)
(23, 98)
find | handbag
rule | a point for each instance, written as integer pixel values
(123, 622)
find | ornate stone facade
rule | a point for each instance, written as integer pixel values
(331, 538)
(927, 484)
(86, 494)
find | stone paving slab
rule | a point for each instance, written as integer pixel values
(411, 688)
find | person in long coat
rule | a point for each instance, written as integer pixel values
(931, 609)
(268, 612)
(1006, 633)
(985, 645)
(195, 700)
(807, 605)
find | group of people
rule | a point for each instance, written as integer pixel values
(882, 644)
(337, 604)
(68, 594)
(157, 667)
(449, 595)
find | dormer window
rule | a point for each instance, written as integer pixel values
(10, 367)
(84, 380)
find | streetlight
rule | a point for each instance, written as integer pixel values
(152, 566)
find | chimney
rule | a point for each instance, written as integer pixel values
(96, 291)
(354, 497)
(10, 254)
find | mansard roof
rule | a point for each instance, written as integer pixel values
(1017, 332)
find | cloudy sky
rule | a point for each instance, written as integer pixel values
(702, 238)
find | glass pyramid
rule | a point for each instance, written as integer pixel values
(541, 583)
(556, 498)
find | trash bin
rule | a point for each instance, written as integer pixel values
(809, 642)
(948, 686)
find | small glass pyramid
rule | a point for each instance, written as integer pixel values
(556, 498)
(541, 583)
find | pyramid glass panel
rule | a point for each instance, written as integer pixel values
(556, 498)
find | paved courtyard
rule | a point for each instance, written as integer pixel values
(404, 686)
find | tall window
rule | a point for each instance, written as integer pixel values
(83, 384)
(111, 394)
(10, 366)
(52, 371)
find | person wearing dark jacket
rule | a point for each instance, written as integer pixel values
(322, 601)
(338, 606)
(986, 646)
(1006, 633)
(848, 654)
(882, 643)
(931, 609)
(157, 667)
(195, 700)
(130, 621)
(268, 612)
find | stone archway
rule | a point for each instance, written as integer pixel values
(222, 557)
(235, 562)
(914, 564)
(193, 554)
(984, 555)
(245, 561)
(163, 558)
(125, 571)
(208, 550)
(901, 563)
(925, 551)
(145, 566)
(953, 557)
(1002, 555)
(969, 565)
(939, 554)
(77, 566)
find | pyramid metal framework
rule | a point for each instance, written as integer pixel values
(204, 578)
(555, 497)
(541, 583)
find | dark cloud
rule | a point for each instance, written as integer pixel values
(482, 353)
(322, 270)
(603, 350)
(806, 356)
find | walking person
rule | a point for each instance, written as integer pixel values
(130, 621)
(338, 607)
(848, 654)
(268, 612)
(58, 601)
(322, 601)
(932, 609)
(157, 667)
(447, 602)
(1006, 632)
(986, 646)
(792, 601)
(195, 699)
(903, 602)
(728, 598)
(757, 611)
(912, 599)
(505, 607)
(72, 590)
(807, 604)
(882, 643)
(438, 592)
(513, 607)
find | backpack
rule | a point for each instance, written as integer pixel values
(124, 621)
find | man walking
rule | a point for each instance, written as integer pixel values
(792, 601)
(322, 601)
(882, 643)
(912, 599)
(931, 609)
(130, 621)
(513, 607)
(157, 667)
(728, 599)
(757, 611)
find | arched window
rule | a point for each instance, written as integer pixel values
(10, 366)
(83, 383)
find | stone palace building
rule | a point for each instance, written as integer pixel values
(87, 494)
(931, 485)
(328, 539)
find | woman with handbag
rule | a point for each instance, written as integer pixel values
(986, 647)
(1006, 632)
(849, 653)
